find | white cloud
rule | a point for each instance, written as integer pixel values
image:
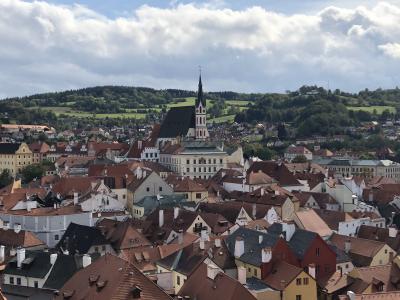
(48, 47)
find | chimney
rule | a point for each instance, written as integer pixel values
(312, 270)
(351, 295)
(86, 260)
(176, 212)
(371, 196)
(53, 258)
(2, 253)
(241, 274)
(392, 231)
(262, 191)
(20, 257)
(239, 246)
(139, 145)
(180, 237)
(17, 228)
(217, 243)
(260, 239)
(6, 225)
(266, 255)
(76, 198)
(212, 271)
(161, 218)
(204, 235)
(289, 228)
(347, 246)
(254, 211)
(202, 245)
(277, 192)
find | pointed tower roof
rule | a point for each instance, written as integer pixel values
(200, 96)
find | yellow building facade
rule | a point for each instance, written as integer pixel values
(14, 157)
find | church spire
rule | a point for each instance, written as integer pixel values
(200, 96)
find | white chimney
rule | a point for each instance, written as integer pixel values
(212, 271)
(17, 228)
(312, 270)
(262, 191)
(266, 255)
(139, 144)
(239, 247)
(277, 192)
(180, 237)
(2, 253)
(254, 211)
(351, 295)
(217, 243)
(20, 257)
(86, 260)
(161, 218)
(260, 239)
(347, 246)
(76, 198)
(242, 274)
(6, 225)
(176, 212)
(202, 245)
(392, 231)
(204, 235)
(53, 258)
(289, 228)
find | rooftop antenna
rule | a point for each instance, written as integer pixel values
(200, 70)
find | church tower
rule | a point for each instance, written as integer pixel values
(201, 114)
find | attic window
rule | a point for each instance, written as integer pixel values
(136, 292)
(93, 279)
(101, 284)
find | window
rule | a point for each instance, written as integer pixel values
(56, 237)
(18, 281)
(298, 297)
(298, 281)
(305, 281)
(317, 251)
(198, 195)
(187, 161)
(36, 284)
(255, 272)
(103, 247)
(147, 189)
(160, 188)
(178, 280)
(220, 161)
(11, 280)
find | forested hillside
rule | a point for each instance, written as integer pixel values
(311, 109)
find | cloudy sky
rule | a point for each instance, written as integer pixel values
(242, 45)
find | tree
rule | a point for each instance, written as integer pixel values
(299, 159)
(5, 178)
(32, 172)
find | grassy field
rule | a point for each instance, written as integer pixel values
(237, 103)
(370, 109)
(133, 113)
(223, 119)
(80, 114)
